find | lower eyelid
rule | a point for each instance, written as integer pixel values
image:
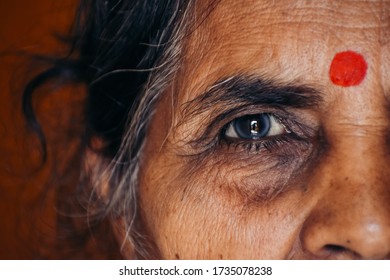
(287, 143)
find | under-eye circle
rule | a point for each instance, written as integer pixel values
(253, 127)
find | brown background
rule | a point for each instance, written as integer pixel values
(26, 215)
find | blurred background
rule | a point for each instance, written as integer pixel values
(27, 209)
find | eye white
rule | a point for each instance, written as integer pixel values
(276, 128)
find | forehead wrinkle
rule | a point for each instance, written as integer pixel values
(335, 16)
(231, 27)
(341, 13)
(384, 18)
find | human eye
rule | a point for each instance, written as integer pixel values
(265, 132)
(255, 127)
(244, 132)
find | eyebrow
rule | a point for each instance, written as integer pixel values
(241, 90)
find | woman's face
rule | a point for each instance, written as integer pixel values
(255, 153)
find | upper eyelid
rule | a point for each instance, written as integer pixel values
(252, 90)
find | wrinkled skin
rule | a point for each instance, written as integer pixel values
(324, 197)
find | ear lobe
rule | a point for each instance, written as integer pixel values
(95, 170)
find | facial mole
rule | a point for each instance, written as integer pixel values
(347, 69)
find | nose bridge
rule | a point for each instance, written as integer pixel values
(352, 216)
(358, 166)
(358, 154)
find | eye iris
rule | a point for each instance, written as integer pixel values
(252, 126)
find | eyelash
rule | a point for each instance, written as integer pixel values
(256, 145)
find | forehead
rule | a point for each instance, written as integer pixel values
(285, 40)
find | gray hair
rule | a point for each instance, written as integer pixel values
(122, 172)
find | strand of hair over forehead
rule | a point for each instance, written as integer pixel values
(123, 170)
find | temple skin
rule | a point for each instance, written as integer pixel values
(324, 197)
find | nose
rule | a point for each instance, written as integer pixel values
(350, 218)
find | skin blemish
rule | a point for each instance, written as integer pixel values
(348, 69)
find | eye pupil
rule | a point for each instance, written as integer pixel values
(255, 127)
(252, 126)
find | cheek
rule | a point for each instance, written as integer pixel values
(205, 216)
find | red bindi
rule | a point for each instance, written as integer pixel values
(348, 69)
